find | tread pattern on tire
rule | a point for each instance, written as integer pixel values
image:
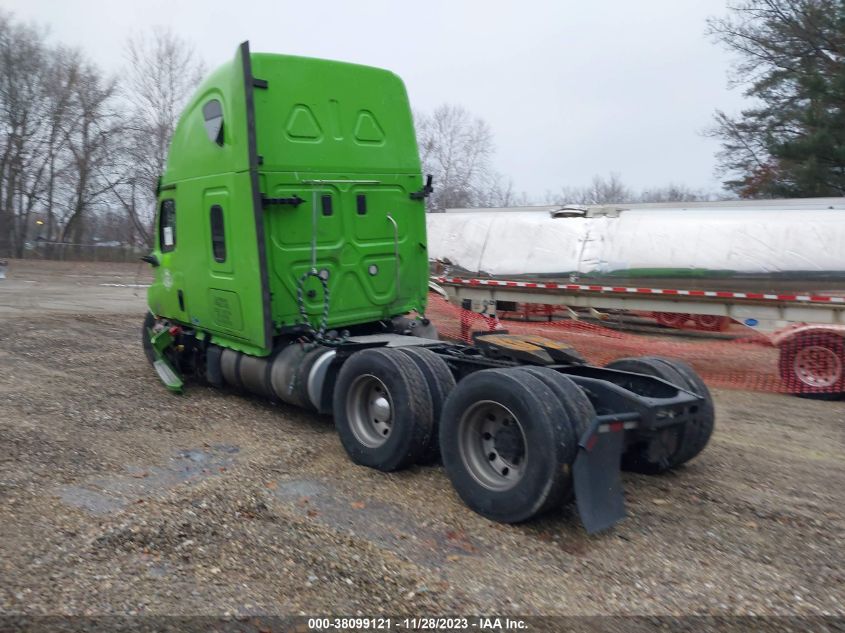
(149, 322)
(440, 384)
(412, 409)
(578, 408)
(544, 486)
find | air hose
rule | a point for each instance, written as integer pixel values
(320, 333)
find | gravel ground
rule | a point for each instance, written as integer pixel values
(117, 497)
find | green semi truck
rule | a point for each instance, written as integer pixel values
(290, 262)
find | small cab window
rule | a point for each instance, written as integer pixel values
(218, 234)
(212, 114)
(167, 226)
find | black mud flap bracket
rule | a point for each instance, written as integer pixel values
(597, 473)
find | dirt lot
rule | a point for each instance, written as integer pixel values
(118, 497)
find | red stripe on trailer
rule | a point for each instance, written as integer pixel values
(722, 294)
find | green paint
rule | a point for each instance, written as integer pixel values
(316, 121)
(166, 372)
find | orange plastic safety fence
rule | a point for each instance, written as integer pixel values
(725, 354)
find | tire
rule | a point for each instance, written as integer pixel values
(813, 365)
(382, 409)
(440, 384)
(149, 322)
(671, 319)
(694, 435)
(710, 322)
(578, 407)
(530, 472)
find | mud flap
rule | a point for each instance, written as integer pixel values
(598, 477)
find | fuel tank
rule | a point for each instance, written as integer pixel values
(770, 246)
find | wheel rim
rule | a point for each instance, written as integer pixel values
(672, 319)
(817, 366)
(492, 445)
(708, 320)
(369, 408)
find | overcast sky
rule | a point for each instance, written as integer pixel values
(571, 88)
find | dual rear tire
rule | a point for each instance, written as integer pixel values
(677, 445)
(509, 438)
(387, 402)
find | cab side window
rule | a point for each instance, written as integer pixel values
(167, 226)
(218, 234)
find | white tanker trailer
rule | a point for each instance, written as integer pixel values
(776, 266)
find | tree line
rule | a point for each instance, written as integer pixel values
(81, 149)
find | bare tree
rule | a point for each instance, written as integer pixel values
(163, 70)
(674, 193)
(601, 190)
(90, 141)
(612, 190)
(22, 97)
(457, 148)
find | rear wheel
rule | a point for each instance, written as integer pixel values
(440, 384)
(382, 409)
(675, 445)
(813, 365)
(578, 407)
(507, 445)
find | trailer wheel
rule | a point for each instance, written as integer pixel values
(578, 407)
(814, 363)
(440, 384)
(382, 409)
(671, 319)
(149, 322)
(681, 444)
(507, 445)
(711, 322)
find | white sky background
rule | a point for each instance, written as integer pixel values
(571, 88)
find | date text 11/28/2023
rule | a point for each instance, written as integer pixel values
(422, 623)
